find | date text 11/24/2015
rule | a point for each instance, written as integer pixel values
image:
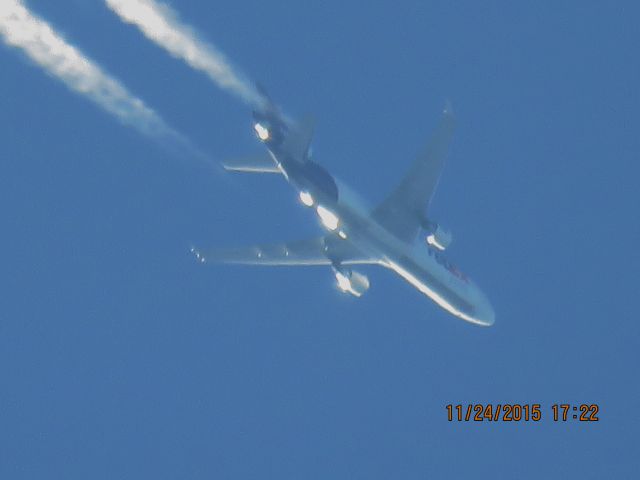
(521, 412)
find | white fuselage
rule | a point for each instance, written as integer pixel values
(423, 267)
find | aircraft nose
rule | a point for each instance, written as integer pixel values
(487, 317)
(482, 312)
(485, 314)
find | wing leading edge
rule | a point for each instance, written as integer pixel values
(403, 211)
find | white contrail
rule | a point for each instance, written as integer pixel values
(21, 29)
(160, 24)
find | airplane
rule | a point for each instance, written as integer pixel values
(355, 234)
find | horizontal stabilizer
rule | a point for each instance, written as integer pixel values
(259, 163)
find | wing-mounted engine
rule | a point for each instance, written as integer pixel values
(438, 236)
(351, 282)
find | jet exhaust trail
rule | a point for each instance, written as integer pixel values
(21, 29)
(160, 24)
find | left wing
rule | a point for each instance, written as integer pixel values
(314, 251)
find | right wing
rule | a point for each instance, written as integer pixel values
(313, 251)
(403, 211)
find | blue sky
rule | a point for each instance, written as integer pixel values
(120, 357)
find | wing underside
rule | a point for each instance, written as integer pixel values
(403, 211)
(315, 251)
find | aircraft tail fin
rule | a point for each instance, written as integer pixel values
(269, 109)
(296, 136)
(298, 139)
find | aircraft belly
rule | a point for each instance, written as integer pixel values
(423, 272)
(434, 284)
(466, 302)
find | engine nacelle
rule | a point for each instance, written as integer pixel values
(439, 238)
(351, 282)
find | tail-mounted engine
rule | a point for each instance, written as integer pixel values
(351, 282)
